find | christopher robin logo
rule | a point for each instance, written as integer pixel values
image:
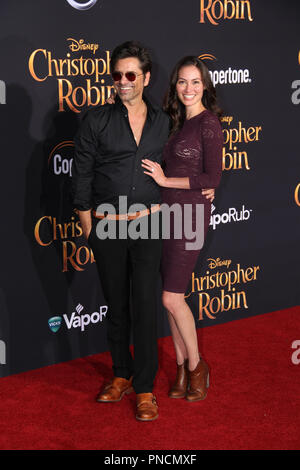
(230, 286)
(93, 71)
(49, 231)
(213, 11)
(235, 136)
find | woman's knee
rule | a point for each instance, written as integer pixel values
(172, 301)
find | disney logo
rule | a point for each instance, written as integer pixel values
(81, 46)
(218, 262)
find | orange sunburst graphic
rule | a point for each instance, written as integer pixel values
(207, 57)
(299, 58)
(65, 143)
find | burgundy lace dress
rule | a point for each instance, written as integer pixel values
(194, 151)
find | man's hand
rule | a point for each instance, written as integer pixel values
(86, 233)
(209, 194)
(85, 222)
(111, 98)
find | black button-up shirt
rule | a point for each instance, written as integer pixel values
(107, 160)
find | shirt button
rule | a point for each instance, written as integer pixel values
(133, 187)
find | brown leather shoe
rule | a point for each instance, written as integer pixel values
(179, 388)
(115, 390)
(198, 382)
(146, 407)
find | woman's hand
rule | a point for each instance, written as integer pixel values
(209, 194)
(155, 170)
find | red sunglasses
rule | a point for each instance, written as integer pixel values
(131, 76)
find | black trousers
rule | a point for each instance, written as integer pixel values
(124, 265)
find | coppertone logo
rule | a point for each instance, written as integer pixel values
(60, 160)
(78, 319)
(2, 92)
(86, 5)
(2, 352)
(227, 76)
(232, 215)
(215, 10)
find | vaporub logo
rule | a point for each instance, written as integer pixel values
(227, 76)
(78, 319)
(232, 215)
(2, 92)
(86, 5)
(2, 352)
(54, 323)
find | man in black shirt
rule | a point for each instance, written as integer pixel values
(109, 149)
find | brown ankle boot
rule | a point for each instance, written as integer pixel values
(198, 382)
(179, 388)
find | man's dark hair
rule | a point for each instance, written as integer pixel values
(132, 49)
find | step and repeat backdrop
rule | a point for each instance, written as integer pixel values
(54, 64)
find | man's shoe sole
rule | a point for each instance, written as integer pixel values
(147, 419)
(126, 392)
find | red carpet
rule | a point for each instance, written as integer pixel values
(253, 401)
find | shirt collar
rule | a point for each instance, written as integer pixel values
(151, 110)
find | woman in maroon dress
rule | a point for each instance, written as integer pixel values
(193, 161)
